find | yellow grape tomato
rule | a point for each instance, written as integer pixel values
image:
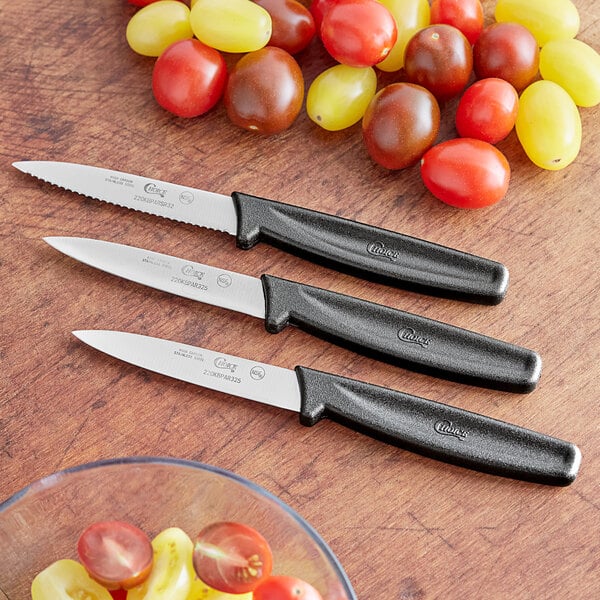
(158, 25)
(201, 591)
(66, 580)
(546, 19)
(339, 96)
(173, 571)
(235, 26)
(548, 125)
(410, 16)
(575, 66)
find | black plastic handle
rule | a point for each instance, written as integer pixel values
(369, 252)
(399, 337)
(437, 430)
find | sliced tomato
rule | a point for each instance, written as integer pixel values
(172, 574)
(65, 580)
(115, 553)
(232, 557)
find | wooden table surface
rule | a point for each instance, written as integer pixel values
(403, 526)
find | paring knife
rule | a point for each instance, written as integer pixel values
(362, 250)
(430, 428)
(398, 337)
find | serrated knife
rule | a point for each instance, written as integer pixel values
(395, 336)
(423, 426)
(349, 246)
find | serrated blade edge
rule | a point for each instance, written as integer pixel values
(152, 196)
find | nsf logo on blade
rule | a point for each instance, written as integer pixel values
(257, 373)
(186, 197)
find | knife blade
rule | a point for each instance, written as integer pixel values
(433, 429)
(362, 250)
(395, 336)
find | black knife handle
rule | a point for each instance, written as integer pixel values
(437, 430)
(399, 337)
(369, 252)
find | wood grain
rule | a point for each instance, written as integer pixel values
(404, 527)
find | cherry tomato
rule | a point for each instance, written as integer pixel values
(410, 16)
(465, 15)
(232, 26)
(317, 9)
(66, 580)
(339, 96)
(487, 110)
(232, 557)
(172, 574)
(115, 554)
(575, 66)
(265, 91)
(283, 587)
(546, 19)
(400, 125)
(189, 78)
(548, 125)
(293, 25)
(440, 59)
(466, 173)
(508, 51)
(155, 27)
(118, 594)
(358, 33)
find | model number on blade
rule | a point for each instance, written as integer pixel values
(189, 283)
(219, 375)
(156, 201)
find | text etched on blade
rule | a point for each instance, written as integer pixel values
(223, 364)
(120, 180)
(193, 277)
(152, 188)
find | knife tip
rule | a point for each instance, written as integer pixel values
(85, 335)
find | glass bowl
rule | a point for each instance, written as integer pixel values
(42, 522)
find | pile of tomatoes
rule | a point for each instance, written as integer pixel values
(117, 561)
(436, 50)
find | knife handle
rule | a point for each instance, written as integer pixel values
(399, 337)
(369, 252)
(437, 430)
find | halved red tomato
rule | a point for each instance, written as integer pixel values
(115, 554)
(232, 557)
